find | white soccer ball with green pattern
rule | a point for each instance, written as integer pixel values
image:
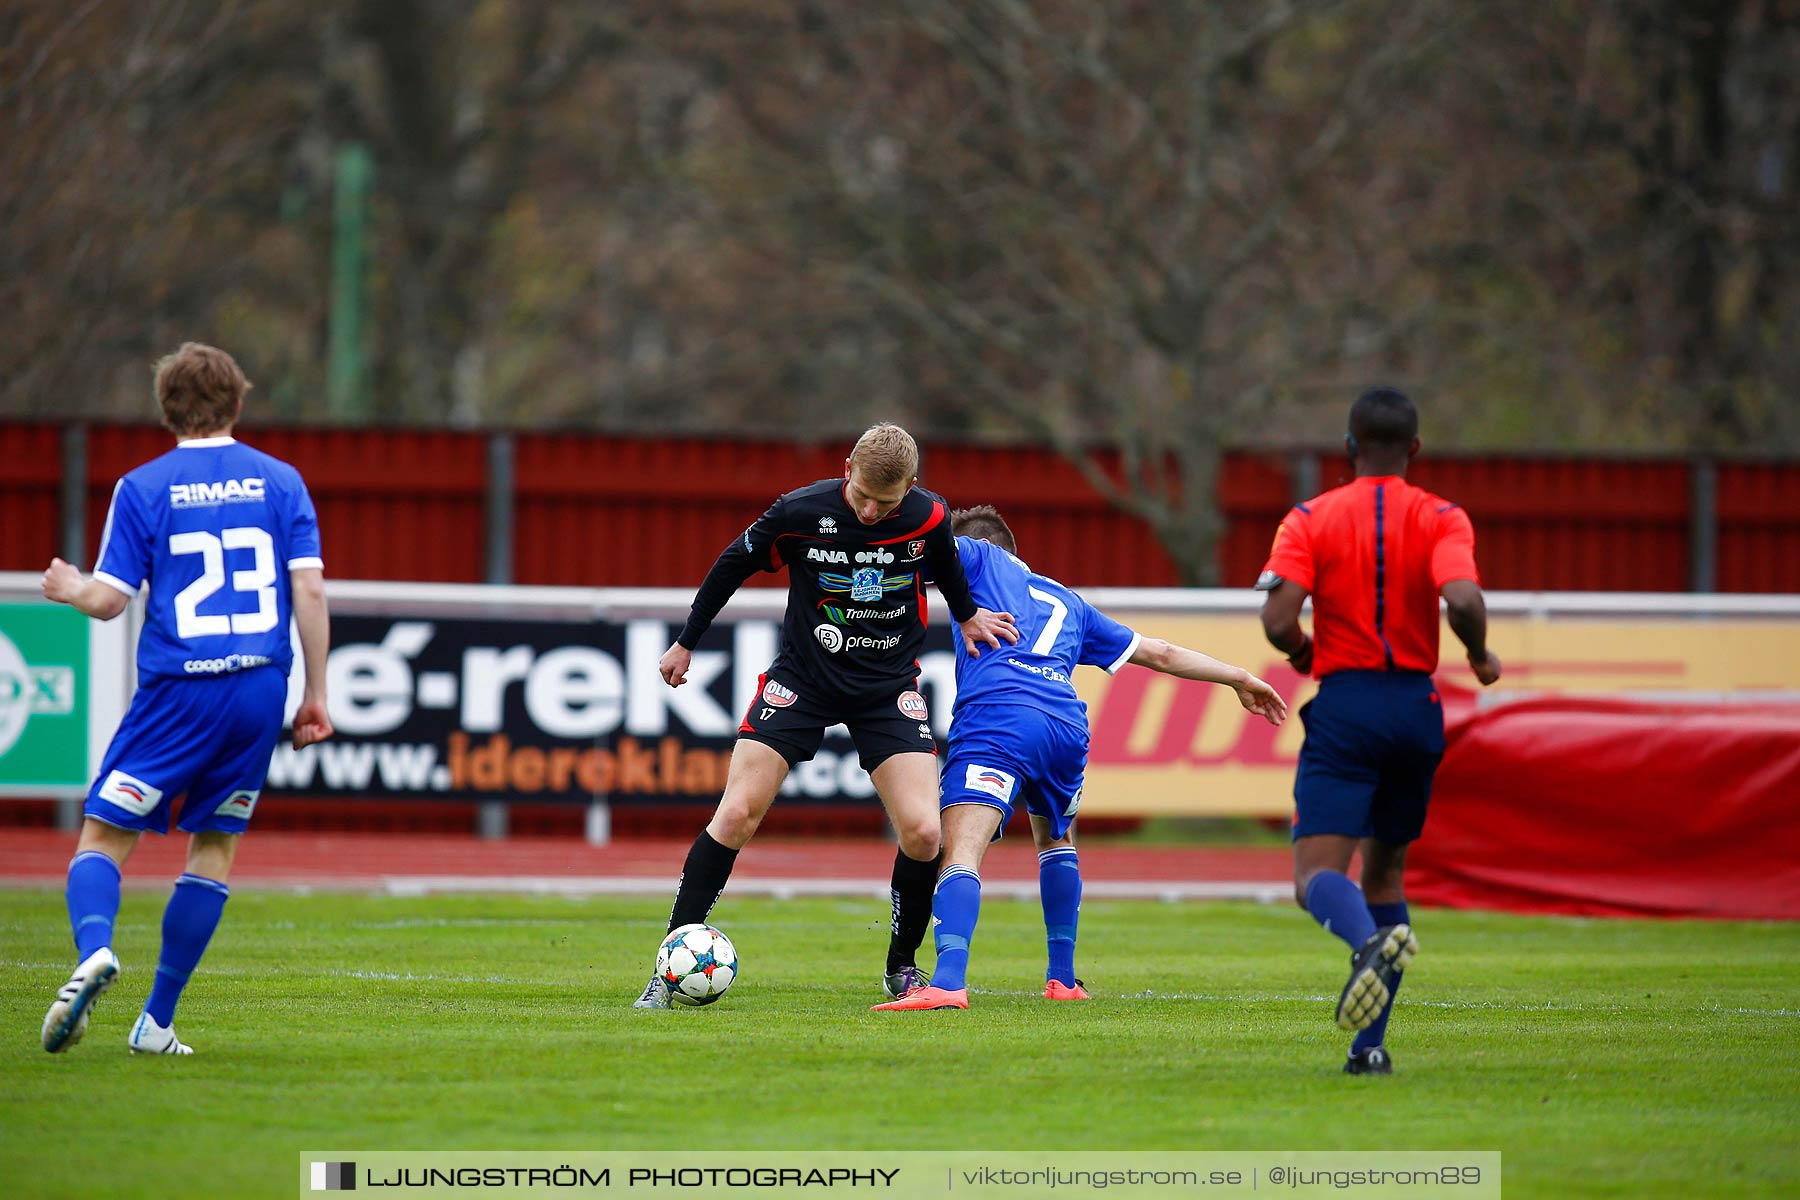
(698, 963)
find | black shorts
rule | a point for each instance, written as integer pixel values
(791, 717)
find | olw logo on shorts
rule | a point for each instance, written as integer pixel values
(43, 718)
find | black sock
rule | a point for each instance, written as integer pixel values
(703, 878)
(914, 881)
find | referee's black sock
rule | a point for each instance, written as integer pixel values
(914, 882)
(703, 878)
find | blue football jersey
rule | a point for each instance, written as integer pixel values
(212, 527)
(1057, 631)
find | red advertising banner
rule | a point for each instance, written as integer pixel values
(1616, 807)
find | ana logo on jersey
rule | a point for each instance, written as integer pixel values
(130, 793)
(991, 780)
(827, 525)
(238, 804)
(779, 696)
(915, 549)
(830, 637)
(913, 705)
(209, 495)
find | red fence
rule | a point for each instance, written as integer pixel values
(608, 511)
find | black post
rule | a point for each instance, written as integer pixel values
(500, 508)
(74, 495)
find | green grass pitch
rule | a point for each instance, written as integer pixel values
(1621, 1058)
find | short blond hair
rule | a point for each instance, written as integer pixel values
(886, 455)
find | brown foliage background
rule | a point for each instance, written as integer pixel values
(1160, 227)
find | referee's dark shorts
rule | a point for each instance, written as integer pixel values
(1373, 743)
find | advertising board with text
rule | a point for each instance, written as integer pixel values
(543, 710)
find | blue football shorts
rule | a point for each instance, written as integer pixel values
(209, 738)
(1000, 753)
(1373, 743)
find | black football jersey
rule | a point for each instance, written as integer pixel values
(856, 593)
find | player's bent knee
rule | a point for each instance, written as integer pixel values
(733, 825)
(921, 842)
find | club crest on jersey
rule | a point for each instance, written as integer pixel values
(827, 525)
(991, 780)
(830, 637)
(779, 696)
(915, 548)
(239, 804)
(913, 706)
(865, 583)
(130, 793)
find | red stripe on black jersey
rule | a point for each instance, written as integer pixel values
(932, 522)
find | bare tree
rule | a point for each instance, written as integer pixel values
(1103, 220)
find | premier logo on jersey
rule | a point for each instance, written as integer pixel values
(130, 793)
(830, 637)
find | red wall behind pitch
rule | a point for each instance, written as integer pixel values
(608, 511)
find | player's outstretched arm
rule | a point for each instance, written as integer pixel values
(987, 628)
(1467, 611)
(66, 585)
(1254, 694)
(312, 721)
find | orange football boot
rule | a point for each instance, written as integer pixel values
(923, 998)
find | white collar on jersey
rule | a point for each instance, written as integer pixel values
(202, 443)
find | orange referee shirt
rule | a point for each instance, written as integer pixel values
(1374, 554)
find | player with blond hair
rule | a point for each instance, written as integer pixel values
(857, 551)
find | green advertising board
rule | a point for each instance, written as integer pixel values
(43, 697)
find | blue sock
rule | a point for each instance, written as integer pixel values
(956, 906)
(1059, 887)
(188, 924)
(93, 898)
(1382, 914)
(1337, 904)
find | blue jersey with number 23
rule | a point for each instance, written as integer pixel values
(213, 527)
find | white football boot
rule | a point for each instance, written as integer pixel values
(147, 1037)
(656, 995)
(67, 1019)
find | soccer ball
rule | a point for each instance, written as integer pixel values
(698, 963)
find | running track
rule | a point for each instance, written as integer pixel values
(438, 863)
